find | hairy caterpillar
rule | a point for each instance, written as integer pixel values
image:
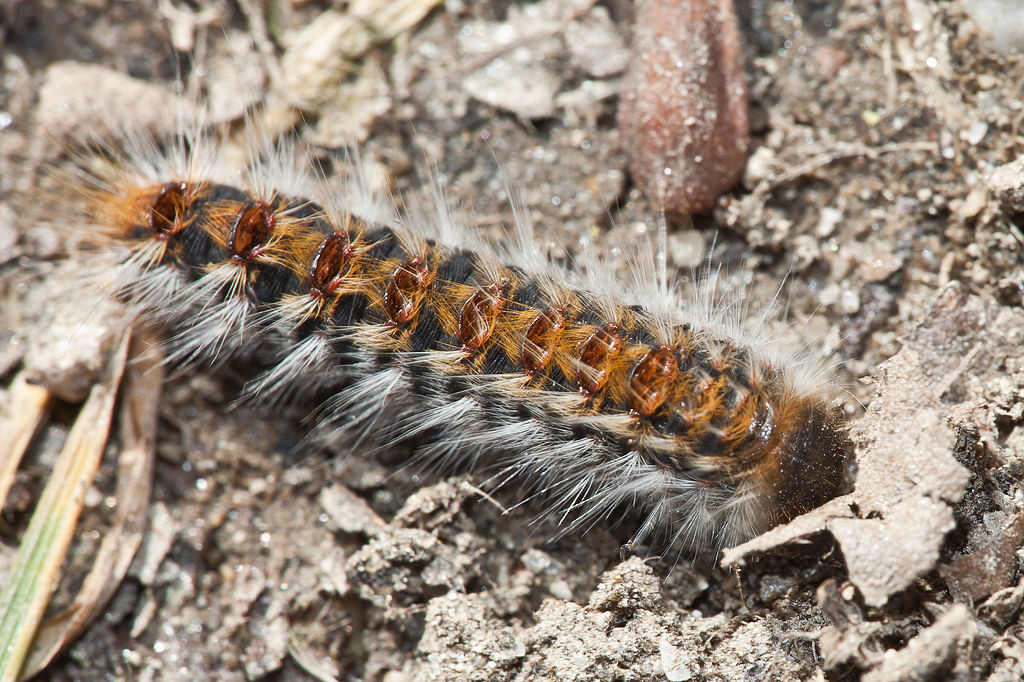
(597, 396)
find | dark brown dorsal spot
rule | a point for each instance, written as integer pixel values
(479, 315)
(596, 358)
(251, 230)
(329, 263)
(541, 337)
(650, 380)
(405, 290)
(167, 212)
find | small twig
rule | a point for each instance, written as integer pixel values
(832, 155)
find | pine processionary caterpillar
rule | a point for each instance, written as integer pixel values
(597, 395)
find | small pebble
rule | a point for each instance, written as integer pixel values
(849, 302)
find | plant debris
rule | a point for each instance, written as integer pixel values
(883, 187)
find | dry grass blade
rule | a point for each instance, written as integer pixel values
(25, 411)
(140, 399)
(45, 543)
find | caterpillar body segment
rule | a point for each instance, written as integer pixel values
(410, 329)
